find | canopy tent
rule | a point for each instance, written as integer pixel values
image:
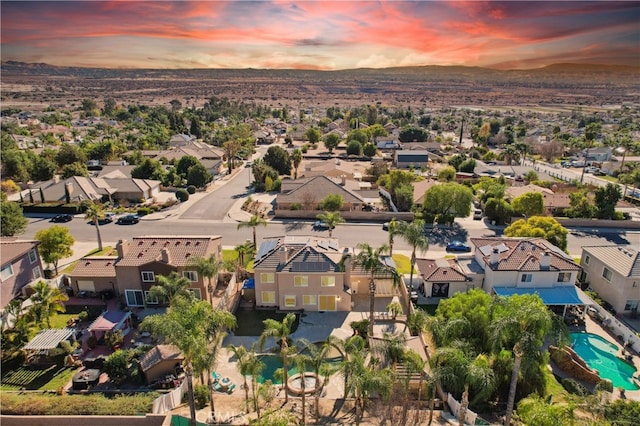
(111, 321)
(565, 295)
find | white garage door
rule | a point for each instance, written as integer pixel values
(86, 286)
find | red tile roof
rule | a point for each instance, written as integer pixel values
(98, 266)
(143, 250)
(440, 270)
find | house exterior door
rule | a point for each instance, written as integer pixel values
(327, 303)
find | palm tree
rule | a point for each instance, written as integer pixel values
(365, 379)
(207, 267)
(331, 219)
(393, 347)
(393, 231)
(318, 362)
(296, 159)
(458, 371)
(369, 260)
(244, 367)
(255, 367)
(169, 287)
(47, 302)
(280, 331)
(301, 361)
(353, 346)
(416, 364)
(245, 251)
(521, 324)
(413, 234)
(253, 223)
(193, 326)
(94, 213)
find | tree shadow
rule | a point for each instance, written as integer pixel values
(613, 237)
(295, 226)
(441, 235)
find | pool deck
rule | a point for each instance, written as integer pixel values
(595, 328)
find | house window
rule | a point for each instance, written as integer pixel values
(32, 256)
(134, 297)
(196, 293)
(587, 258)
(607, 274)
(190, 275)
(150, 300)
(267, 277)
(526, 278)
(631, 305)
(328, 281)
(6, 271)
(564, 277)
(36, 273)
(300, 281)
(268, 297)
(148, 277)
(290, 301)
(310, 299)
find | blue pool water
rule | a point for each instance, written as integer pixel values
(600, 355)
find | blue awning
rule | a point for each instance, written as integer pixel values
(559, 295)
(249, 284)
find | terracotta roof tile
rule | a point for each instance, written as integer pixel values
(440, 270)
(143, 250)
(95, 266)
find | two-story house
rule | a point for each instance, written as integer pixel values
(445, 277)
(614, 273)
(142, 259)
(528, 265)
(21, 265)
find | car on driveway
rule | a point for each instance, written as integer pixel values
(129, 219)
(458, 246)
(61, 218)
(591, 169)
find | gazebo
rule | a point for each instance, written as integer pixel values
(47, 343)
(111, 321)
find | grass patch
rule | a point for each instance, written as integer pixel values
(229, 255)
(36, 378)
(60, 320)
(554, 388)
(403, 263)
(106, 251)
(93, 404)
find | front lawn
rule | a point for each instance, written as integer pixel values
(403, 263)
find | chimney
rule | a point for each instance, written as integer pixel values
(69, 186)
(284, 255)
(343, 180)
(122, 247)
(166, 258)
(545, 260)
(495, 254)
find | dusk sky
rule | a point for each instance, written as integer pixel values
(319, 34)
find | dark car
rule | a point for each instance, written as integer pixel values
(458, 246)
(129, 219)
(61, 218)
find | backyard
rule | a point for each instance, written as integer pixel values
(16, 376)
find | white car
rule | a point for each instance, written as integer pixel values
(591, 169)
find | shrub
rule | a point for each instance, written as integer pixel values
(360, 328)
(201, 395)
(82, 316)
(91, 404)
(605, 386)
(182, 195)
(574, 387)
(295, 206)
(9, 186)
(117, 366)
(191, 189)
(143, 211)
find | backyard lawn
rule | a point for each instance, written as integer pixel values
(36, 377)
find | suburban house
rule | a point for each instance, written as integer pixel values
(387, 143)
(209, 156)
(181, 139)
(553, 203)
(614, 273)
(142, 259)
(445, 277)
(598, 154)
(21, 265)
(94, 274)
(420, 188)
(309, 192)
(527, 265)
(81, 188)
(405, 159)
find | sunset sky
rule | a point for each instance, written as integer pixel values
(319, 34)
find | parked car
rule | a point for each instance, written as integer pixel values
(108, 218)
(458, 246)
(591, 169)
(477, 214)
(61, 218)
(129, 219)
(320, 225)
(385, 226)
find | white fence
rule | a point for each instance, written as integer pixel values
(454, 406)
(169, 401)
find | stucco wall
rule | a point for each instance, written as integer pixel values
(616, 292)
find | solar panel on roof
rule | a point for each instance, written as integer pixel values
(310, 266)
(266, 248)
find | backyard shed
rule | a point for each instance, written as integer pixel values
(160, 361)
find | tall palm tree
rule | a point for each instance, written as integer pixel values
(366, 379)
(254, 222)
(458, 372)
(244, 367)
(245, 252)
(392, 348)
(47, 302)
(368, 259)
(169, 287)
(520, 324)
(301, 361)
(280, 331)
(413, 234)
(94, 213)
(255, 367)
(207, 267)
(318, 363)
(393, 231)
(193, 326)
(331, 219)
(296, 159)
(416, 365)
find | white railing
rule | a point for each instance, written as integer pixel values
(169, 401)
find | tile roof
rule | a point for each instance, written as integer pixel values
(522, 254)
(318, 188)
(95, 266)
(300, 250)
(160, 353)
(516, 191)
(622, 259)
(147, 249)
(440, 270)
(11, 250)
(420, 187)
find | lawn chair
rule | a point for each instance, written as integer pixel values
(216, 387)
(231, 388)
(215, 376)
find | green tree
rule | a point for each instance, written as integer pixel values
(296, 159)
(207, 267)
(253, 223)
(198, 176)
(529, 204)
(55, 244)
(43, 169)
(465, 316)
(413, 134)
(184, 163)
(47, 302)
(301, 360)
(313, 135)
(488, 187)
(192, 326)
(278, 158)
(331, 219)
(580, 205)
(243, 363)
(539, 226)
(369, 150)
(95, 213)
(74, 169)
(231, 149)
(116, 366)
(69, 154)
(535, 410)
(332, 202)
(317, 362)
(413, 234)
(498, 210)
(393, 229)
(358, 135)
(170, 287)
(606, 199)
(280, 331)
(448, 200)
(12, 221)
(447, 174)
(16, 164)
(331, 141)
(354, 148)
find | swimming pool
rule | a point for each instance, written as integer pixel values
(600, 355)
(274, 362)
